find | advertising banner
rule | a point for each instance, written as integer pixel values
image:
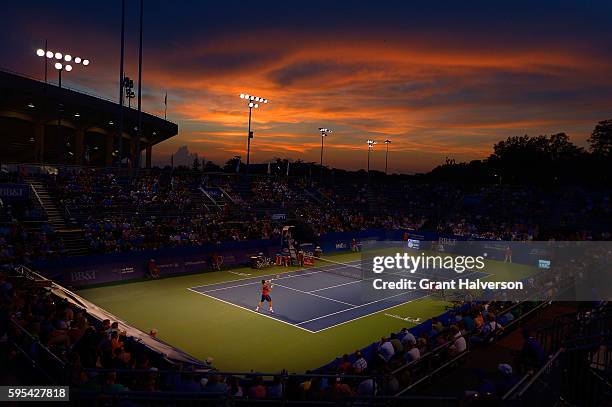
(14, 192)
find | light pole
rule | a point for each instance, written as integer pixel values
(121, 74)
(324, 133)
(387, 142)
(63, 61)
(371, 144)
(139, 133)
(252, 102)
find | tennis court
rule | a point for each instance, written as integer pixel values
(320, 297)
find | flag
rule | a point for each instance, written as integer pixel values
(237, 164)
(166, 99)
(269, 170)
(287, 168)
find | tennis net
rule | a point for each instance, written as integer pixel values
(351, 269)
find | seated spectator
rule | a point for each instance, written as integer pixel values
(398, 348)
(215, 384)
(459, 343)
(506, 379)
(345, 365)
(437, 325)
(385, 350)
(407, 338)
(413, 353)
(532, 354)
(367, 387)
(340, 390)
(275, 390)
(188, 383)
(257, 389)
(468, 322)
(111, 385)
(360, 365)
(488, 331)
(234, 388)
(152, 269)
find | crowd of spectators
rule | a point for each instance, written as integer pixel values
(19, 245)
(151, 211)
(99, 356)
(166, 209)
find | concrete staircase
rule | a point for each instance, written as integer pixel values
(54, 216)
(73, 238)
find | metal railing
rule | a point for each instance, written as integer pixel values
(433, 362)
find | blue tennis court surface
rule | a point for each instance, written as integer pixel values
(315, 299)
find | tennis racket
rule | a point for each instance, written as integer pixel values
(272, 280)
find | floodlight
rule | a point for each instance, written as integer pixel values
(86, 62)
(49, 54)
(68, 68)
(68, 58)
(40, 52)
(58, 65)
(77, 60)
(58, 55)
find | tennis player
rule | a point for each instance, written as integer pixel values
(266, 287)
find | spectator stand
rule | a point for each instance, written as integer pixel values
(580, 369)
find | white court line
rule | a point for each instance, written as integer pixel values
(371, 313)
(294, 274)
(297, 274)
(257, 281)
(315, 295)
(253, 311)
(411, 275)
(357, 306)
(358, 281)
(369, 303)
(334, 286)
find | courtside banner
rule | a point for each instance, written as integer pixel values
(454, 270)
(14, 192)
(106, 268)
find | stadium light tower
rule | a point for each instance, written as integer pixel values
(324, 133)
(387, 142)
(62, 61)
(371, 144)
(253, 102)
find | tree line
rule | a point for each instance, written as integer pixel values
(543, 159)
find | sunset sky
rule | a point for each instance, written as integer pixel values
(437, 78)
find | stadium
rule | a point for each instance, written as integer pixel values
(129, 277)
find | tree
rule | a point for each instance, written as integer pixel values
(233, 164)
(196, 163)
(601, 139)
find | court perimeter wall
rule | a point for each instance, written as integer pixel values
(108, 268)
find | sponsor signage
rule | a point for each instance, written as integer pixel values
(414, 244)
(14, 192)
(544, 264)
